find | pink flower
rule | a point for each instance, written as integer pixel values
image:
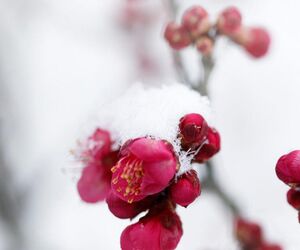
(147, 166)
(209, 149)
(125, 210)
(135, 14)
(288, 168)
(97, 145)
(94, 184)
(186, 189)
(205, 45)
(293, 198)
(193, 130)
(230, 21)
(195, 20)
(257, 42)
(249, 234)
(159, 230)
(177, 36)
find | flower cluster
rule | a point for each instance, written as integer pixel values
(250, 236)
(288, 171)
(197, 29)
(143, 175)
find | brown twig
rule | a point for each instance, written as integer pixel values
(207, 64)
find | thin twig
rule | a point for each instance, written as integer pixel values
(212, 185)
(207, 63)
(180, 69)
(184, 78)
(10, 207)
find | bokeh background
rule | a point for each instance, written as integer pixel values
(61, 59)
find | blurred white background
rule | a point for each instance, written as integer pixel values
(60, 59)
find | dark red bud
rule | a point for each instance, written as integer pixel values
(209, 149)
(177, 36)
(193, 129)
(186, 189)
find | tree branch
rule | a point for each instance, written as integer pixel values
(207, 63)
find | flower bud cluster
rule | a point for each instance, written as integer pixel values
(196, 135)
(250, 236)
(288, 171)
(197, 29)
(142, 175)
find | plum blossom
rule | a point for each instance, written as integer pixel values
(146, 167)
(160, 229)
(98, 157)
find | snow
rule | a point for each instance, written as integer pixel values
(154, 111)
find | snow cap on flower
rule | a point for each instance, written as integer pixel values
(229, 21)
(288, 168)
(210, 148)
(193, 129)
(145, 110)
(186, 189)
(293, 198)
(159, 230)
(195, 20)
(177, 36)
(248, 234)
(147, 168)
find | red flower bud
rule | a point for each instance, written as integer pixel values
(293, 198)
(205, 45)
(125, 210)
(157, 230)
(146, 168)
(209, 149)
(193, 129)
(248, 234)
(267, 246)
(177, 36)
(195, 20)
(230, 21)
(186, 189)
(288, 168)
(256, 42)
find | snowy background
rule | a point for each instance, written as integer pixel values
(61, 59)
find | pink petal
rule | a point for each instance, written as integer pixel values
(94, 184)
(150, 150)
(159, 231)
